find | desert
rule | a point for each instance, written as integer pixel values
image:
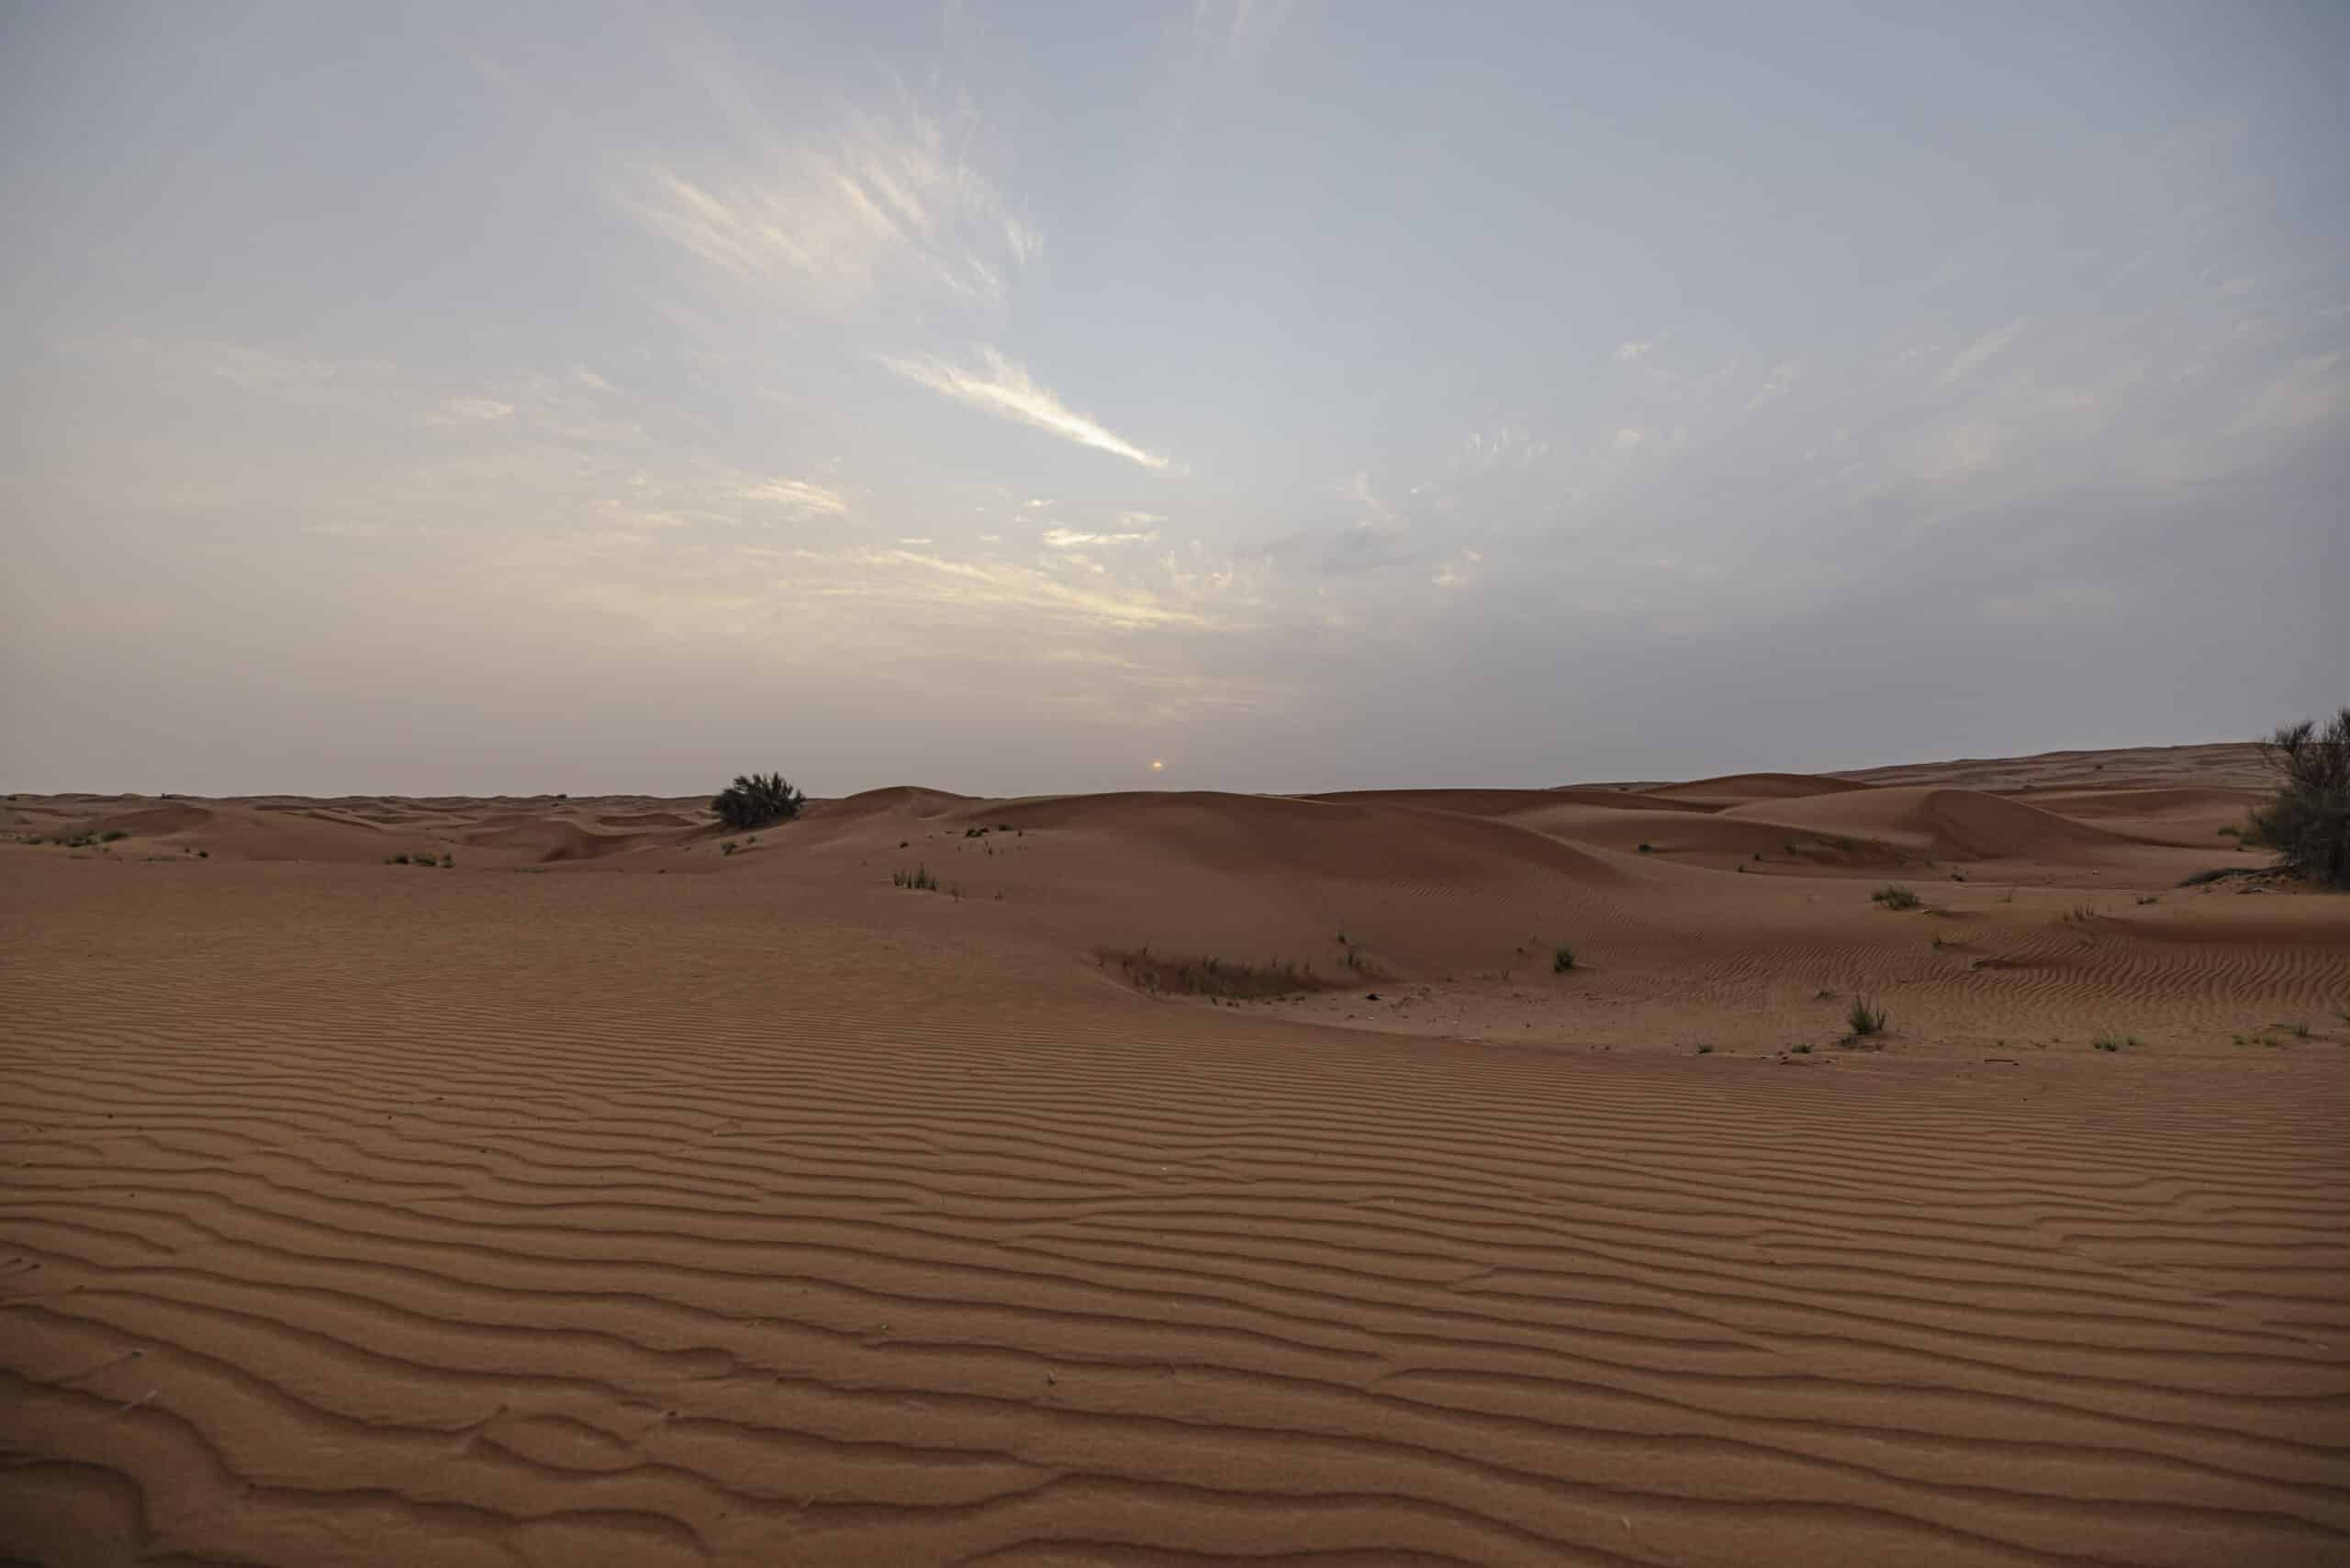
(1282, 783)
(1473, 1176)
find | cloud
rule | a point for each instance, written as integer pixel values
(1628, 438)
(2305, 394)
(1461, 569)
(1627, 353)
(1005, 390)
(919, 539)
(799, 496)
(1140, 519)
(884, 202)
(1070, 539)
(1973, 356)
(915, 577)
(486, 410)
(589, 379)
(1774, 386)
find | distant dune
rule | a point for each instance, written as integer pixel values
(632, 1190)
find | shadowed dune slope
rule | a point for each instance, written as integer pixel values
(1507, 803)
(1736, 789)
(1945, 825)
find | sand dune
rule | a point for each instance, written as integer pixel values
(1738, 788)
(652, 1204)
(1942, 825)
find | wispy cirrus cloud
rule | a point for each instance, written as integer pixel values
(887, 203)
(798, 495)
(1972, 357)
(1005, 390)
(1073, 539)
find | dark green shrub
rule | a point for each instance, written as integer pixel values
(1864, 1020)
(1892, 895)
(1562, 960)
(758, 800)
(2307, 824)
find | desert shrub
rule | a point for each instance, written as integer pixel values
(1864, 1020)
(111, 834)
(1562, 960)
(1800, 1050)
(1648, 848)
(918, 879)
(1705, 1050)
(1892, 895)
(1214, 978)
(2114, 1042)
(2307, 824)
(758, 800)
(395, 860)
(2216, 873)
(448, 861)
(727, 847)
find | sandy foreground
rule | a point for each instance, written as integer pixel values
(608, 1198)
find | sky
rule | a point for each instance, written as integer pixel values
(1031, 399)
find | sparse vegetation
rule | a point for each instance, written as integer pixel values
(1705, 1050)
(2300, 1031)
(2114, 1042)
(1214, 977)
(1562, 960)
(111, 834)
(727, 847)
(758, 800)
(1892, 895)
(448, 861)
(1864, 1021)
(1802, 1050)
(2216, 874)
(1648, 848)
(2307, 824)
(919, 879)
(396, 859)
(2146, 899)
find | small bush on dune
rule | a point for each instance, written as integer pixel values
(1894, 896)
(1214, 978)
(758, 800)
(1562, 960)
(1864, 1020)
(2307, 825)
